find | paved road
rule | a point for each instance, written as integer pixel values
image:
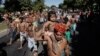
(12, 50)
(3, 32)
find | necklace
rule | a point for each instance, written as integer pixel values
(60, 42)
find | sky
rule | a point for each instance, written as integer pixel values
(1, 1)
(48, 2)
(53, 2)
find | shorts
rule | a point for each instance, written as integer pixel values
(32, 44)
(13, 33)
(35, 24)
(22, 36)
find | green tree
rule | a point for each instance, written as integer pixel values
(16, 5)
(81, 4)
(12, 5)
(67, 4)
(26, 4)
(39, 5)
(60, 5)
(78, 3)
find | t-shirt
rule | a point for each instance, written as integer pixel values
(68, 35)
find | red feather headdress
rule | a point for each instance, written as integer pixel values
(60, 27)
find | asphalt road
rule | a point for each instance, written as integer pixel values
(13, 49)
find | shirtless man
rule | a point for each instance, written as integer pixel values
(24, 26)
(23, 33)
(11, 32)
(15, 30)
(31, 40)
(60, 42)
(17, 24)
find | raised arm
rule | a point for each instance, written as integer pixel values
(42, 30)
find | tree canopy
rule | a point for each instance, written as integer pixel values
(81, 4)
(17, 5)
(38, 5)
(12, 5)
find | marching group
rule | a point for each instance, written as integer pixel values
(52, 28)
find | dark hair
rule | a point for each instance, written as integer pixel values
(65, 20)
(73, 16)
(21, 18)
(50, 13)
(10, 19)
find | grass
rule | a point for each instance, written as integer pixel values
(3, 26)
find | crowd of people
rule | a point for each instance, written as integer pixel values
(53, 28)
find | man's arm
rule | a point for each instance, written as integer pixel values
(67, 49)
(41, 31)
(54, 44)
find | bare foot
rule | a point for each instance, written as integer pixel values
(20, 47)
(44, 42)
(9, 43)
(18, 40)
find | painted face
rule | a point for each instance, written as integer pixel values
(59, 36)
